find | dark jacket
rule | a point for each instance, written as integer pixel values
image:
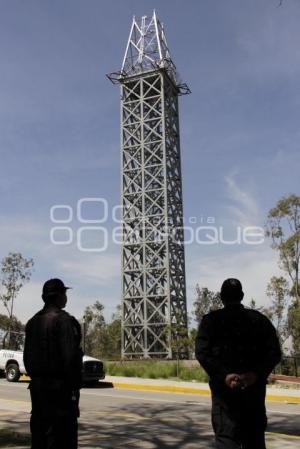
(52, 347)
(236, 340)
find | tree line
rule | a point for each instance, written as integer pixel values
(102, 339)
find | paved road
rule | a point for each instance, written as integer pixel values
(119, 418)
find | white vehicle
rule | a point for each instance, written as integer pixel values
(12, 365)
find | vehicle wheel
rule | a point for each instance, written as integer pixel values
(12, 372)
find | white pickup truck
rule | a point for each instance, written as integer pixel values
(12, 366)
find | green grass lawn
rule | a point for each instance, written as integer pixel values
(154, 369)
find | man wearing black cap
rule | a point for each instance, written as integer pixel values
(53, 360)
(238, 348)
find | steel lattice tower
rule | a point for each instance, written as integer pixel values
(153, 263)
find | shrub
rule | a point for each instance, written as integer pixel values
(155, 369)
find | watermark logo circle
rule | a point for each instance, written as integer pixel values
(84, 201)
(61, 207)
(84, 231)
(61, 229)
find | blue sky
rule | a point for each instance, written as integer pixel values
(59, 131)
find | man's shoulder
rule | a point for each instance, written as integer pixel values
(66, 317)
(260, 321)
(64, 313)
(256, 315)
(220, 314)
(56, 313)
(35, 317)
(214, 315)
(35, 321)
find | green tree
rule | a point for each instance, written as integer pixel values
(192, 334)
(113, 351)
(16, 270)
(180, 341)
(278, 292)
(14, 338)
(206, 301)
(101, 339)
(283, 227)
(17, 326)
(95, 330)
(294, 326)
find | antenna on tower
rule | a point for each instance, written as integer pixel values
(147, 50)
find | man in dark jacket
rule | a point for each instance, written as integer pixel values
(238, 348)
(53, 360)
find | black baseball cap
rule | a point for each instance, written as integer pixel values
(54, 286)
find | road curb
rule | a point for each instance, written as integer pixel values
(191, 390)
(289, 399)
(167, 388)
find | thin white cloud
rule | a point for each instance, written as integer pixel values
(243, 207)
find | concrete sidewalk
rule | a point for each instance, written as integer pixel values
(274, 392)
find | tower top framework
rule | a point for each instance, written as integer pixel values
(147, 50)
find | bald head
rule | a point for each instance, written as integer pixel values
(231, 291)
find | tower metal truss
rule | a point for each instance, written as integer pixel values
(154, 312)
